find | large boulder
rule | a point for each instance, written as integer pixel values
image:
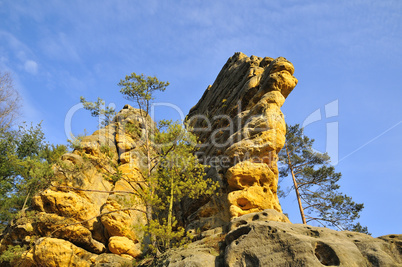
(53, 252)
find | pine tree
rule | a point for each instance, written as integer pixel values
(180, 175)
(316, 184)
(98, 109)
(140, 89)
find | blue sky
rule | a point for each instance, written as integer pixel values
(345, 51)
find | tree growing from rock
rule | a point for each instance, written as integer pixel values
(172, 170)
(179, 175)
(141, 89)
(98, 109)
(316, 184)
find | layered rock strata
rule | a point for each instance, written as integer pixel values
(241, 129)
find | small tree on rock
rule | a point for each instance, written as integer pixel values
(180, 175)
(98, 109)
(172, 171)
(140, 89)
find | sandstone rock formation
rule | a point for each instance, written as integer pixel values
(270, 243)
(88, 217)
(241, 128)
(259, 239)
(67, 215)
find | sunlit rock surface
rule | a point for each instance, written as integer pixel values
(241, 129)
(67, 215)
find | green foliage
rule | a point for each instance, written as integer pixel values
(26, 162)
(133, 129)
(166, 236)
(179, 165)
(105, 149)
(114, 177)
(98, 109)
(174, 173)
(140, 89)
(317, 182)
(359, 228)
(75, 142)
(11, 254)
(178, 175)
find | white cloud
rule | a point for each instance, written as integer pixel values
(31, 66)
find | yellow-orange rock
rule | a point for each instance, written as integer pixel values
(68, 204)
(125, 142)
(55, 252)
(131, 172)
(118, 222)
(241, 128)
(246, 174)
(121, 245)
(93, 197)
(252, 199)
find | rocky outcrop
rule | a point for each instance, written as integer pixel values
(92, 208)
(270, 243)
(257, 240)
(91, 213)
(241, 129)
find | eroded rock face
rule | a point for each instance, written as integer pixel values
(55, 252)
(270, 243)
(101, 176)
(241, 128)
(266, 238)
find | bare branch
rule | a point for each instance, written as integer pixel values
(97, 216)
(97, 191)
(9, 101)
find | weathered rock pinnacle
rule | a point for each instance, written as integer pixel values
(241, 129)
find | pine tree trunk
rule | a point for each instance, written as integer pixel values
(170, 215)
(170, 205)
(149, 182)
(296, 187)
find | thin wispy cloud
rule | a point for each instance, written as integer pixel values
(31, 66)
(60, 47)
